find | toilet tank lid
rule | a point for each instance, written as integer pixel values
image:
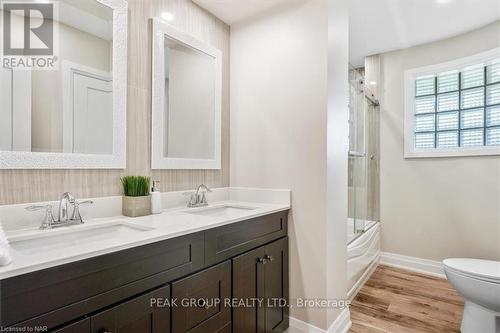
(481, 268)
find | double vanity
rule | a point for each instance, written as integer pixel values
(218, 268)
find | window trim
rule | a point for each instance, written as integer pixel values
(409, 86)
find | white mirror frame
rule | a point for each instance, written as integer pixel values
(161, 29)
(117, 160)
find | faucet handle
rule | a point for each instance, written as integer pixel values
(84, 202)
(35, 208)
(204, 187)
(77, 216)
(193, 198)
(48, 220)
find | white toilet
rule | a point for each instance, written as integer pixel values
(478, 281)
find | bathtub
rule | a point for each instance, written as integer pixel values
(363, 254)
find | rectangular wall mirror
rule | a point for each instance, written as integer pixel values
(71, 115)
(186, 122)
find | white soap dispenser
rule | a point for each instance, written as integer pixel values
(156, 198)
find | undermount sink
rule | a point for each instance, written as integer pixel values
(220, 211)
(92, 236)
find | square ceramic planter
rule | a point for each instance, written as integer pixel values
(136, 206)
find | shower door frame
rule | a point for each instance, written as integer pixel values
(370, 142)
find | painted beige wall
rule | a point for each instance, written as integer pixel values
(337, 153)
(279, 121)
(17, 186)
(441, 207)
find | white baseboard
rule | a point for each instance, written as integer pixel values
(302, 326)
(424, 266)
(341, 325)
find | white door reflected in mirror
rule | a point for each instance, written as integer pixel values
(39, 118)
(71, 115)
(187, 78)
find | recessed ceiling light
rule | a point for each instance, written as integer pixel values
(443, 2)
(373, 83)
(167, 16)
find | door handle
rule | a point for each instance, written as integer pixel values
(262, 261)
(269, 258)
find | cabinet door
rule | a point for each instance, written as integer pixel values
(276, 285)
(149, 313)
(260, 281)
(248, 288)
(200, 301)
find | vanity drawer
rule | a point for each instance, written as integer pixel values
(139, 314)
(75, 289)
(228, 241)
(208, 289)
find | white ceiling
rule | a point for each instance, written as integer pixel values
(378, 26)
(237, 11)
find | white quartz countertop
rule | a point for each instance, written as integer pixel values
(173, 222)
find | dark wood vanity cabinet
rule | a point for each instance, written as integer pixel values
(149, 313)
(193, 283)
(145, 314)
(60, 294)
(225, 242)
(201, 305)
(260, 285)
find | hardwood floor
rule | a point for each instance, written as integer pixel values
(399, 301)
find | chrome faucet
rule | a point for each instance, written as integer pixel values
(66, 200)
(64, 218)
(199, 197)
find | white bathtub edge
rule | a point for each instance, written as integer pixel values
(363, 255)
(414, 264)
(364, 278)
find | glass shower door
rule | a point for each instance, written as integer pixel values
(363, 157)
(357, 155)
